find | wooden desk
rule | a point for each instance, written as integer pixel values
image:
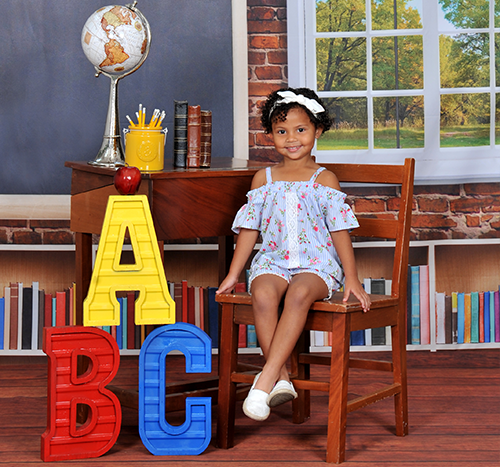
(185, 203)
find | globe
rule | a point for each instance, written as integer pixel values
(115, 39)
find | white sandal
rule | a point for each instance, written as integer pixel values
(282, 392)
(255, 406)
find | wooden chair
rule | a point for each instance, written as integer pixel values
(340, 319)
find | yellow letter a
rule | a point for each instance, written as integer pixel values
(154, 305)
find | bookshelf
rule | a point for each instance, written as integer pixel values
(454, 265)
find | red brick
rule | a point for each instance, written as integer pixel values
(256, 3)
(261, 14)
(472, 221)
(254, 123)
(469, 204)
(264, 155)
(426, 204)
(256, 58)
(369, 205)
(281, 14)
(264, 42)
(394, 203)
(365, 191)
(452, 190)
(283, 42)
(277, 57)
(4, 237)
(266, 27)
(432, 235)
(482, 188)
(49, 224)
(269, 72)
(58, 237)
(457, 235)
(19, 223)
(26, 237)
(490, 234)
(431, 221)
(263, 89)
(495, 224)
(262, 139)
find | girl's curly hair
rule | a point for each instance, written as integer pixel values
(268, 116)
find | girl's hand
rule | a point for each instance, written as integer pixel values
(354, 286)
(227, 284)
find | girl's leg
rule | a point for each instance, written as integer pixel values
(302, 291)
(267, 292)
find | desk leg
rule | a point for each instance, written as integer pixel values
(83, 265)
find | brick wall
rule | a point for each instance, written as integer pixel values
(440, 211)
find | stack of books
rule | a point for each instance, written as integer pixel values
(468, 317)
(192, 135)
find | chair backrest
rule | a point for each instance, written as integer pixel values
(386, 228)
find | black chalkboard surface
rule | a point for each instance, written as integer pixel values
(53, 109)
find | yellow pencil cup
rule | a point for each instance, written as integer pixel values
(145, 148)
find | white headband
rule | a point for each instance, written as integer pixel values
(289, 96)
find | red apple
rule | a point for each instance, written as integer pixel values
(127, 180)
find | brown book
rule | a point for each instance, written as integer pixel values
(206, 138)
(14, 314)
(194, 136)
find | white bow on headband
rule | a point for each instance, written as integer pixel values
(289, 96)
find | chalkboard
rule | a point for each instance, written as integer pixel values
(53, 109)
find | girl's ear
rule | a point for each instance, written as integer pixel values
(319, 132)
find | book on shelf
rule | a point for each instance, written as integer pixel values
(487, 335)
(14, 314)
(6, 332)
(206, 139)
(496, 305)
(425, 332)
(474, 317)
(27, 318)
(40, 324)
(440, 317)
(213, 317)
(2, 321)
(378, 334)
(194, 136)
(467, 318)
(415, 305)
(180, 133)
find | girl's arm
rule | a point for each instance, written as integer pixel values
(343, 245)
(244, 247)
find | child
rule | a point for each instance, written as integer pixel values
(306, 252)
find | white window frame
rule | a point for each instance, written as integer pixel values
(434, 165)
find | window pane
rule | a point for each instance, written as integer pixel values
(410, 70)
(465, 120)
(497, 58)
(466, 14)
(406, 16)
(340, 15)
(464, 60)
(341, 64)
(497, 120)
(350, 128)
(398, 122)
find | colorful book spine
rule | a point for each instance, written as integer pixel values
(487, 316)
(449, 322)
(251, 336)
(474, 317)
(6, 334)
(180, 133)
(460, 318)
(492, 317)
(497, 315)
(425, 333)
(194, 136)
(481, 316)
(440, 318)
(454, 317)
(206, 138)
(415, 305)
(467, 318)
(2, 321)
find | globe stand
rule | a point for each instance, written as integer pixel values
(111, 153)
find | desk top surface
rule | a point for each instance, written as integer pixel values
(220, 167)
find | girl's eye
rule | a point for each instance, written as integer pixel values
(300, 130)
(281, 132)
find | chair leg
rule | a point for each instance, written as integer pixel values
(301, 406)
(399, 369)
(337, 398)
(228, 360)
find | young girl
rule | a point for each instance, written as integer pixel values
(306, 252)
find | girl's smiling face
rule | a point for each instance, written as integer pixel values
(294, 138)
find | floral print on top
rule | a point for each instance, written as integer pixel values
(295, 220)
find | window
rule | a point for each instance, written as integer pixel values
(404, 78)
